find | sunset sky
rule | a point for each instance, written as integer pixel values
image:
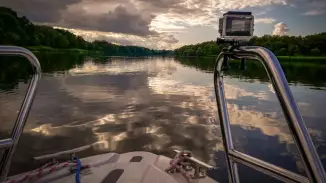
(168, 24)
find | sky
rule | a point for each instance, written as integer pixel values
(169, 24)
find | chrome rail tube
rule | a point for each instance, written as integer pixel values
(268, 168)
(313, 167)
(224, 120)
(5, 143)
(25, 107)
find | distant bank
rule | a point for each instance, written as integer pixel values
(297, 57)
(49, 49)
(19, 31)
(292, 47)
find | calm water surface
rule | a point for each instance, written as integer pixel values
(159, 104)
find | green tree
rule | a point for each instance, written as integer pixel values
(20, 31)
(199, 52)
(207, 49)
(61, 41)
(293, 50)
(215, 50)
(280, 45)
(189, 52)
(315, 51)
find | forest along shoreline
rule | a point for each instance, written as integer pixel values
(19, 31)
(311, 47)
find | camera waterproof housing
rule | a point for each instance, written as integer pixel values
(236, 26)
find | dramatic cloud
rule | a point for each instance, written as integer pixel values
(119, 20)
(317, 7)
(39, 11)
(261, 13)
(265, 20)
(158, 41)
(189, 13)
(137, 17)
(145, 22)
(112, 16)
(280, 29)
(240, 4)
(314, 12)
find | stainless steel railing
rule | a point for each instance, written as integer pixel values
(10, 144)
(313, 167)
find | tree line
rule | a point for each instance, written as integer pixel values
(314, 72)
(311, 45)
(15, 30)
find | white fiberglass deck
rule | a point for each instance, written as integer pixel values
(132, 167)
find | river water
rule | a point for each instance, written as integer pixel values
(159, 104)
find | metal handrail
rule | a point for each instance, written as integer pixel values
(11, 144)
(313, 166)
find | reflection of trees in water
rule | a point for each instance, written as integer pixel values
(168, 131)
(135, 118)
(126, 113)
(139, 140)
(269, 148)
(296, 71)
(14, 69)
(260, 148)
(262, 138)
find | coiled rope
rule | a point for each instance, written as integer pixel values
(49, 168)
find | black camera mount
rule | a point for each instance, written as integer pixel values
(228, 52)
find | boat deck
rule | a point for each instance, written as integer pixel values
(132, 167)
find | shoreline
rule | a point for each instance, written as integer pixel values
(279, 57)
(50, 49)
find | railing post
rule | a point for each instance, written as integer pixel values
(309, 156)
(25, 108)
(224, 118)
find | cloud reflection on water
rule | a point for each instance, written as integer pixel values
(153, 105)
